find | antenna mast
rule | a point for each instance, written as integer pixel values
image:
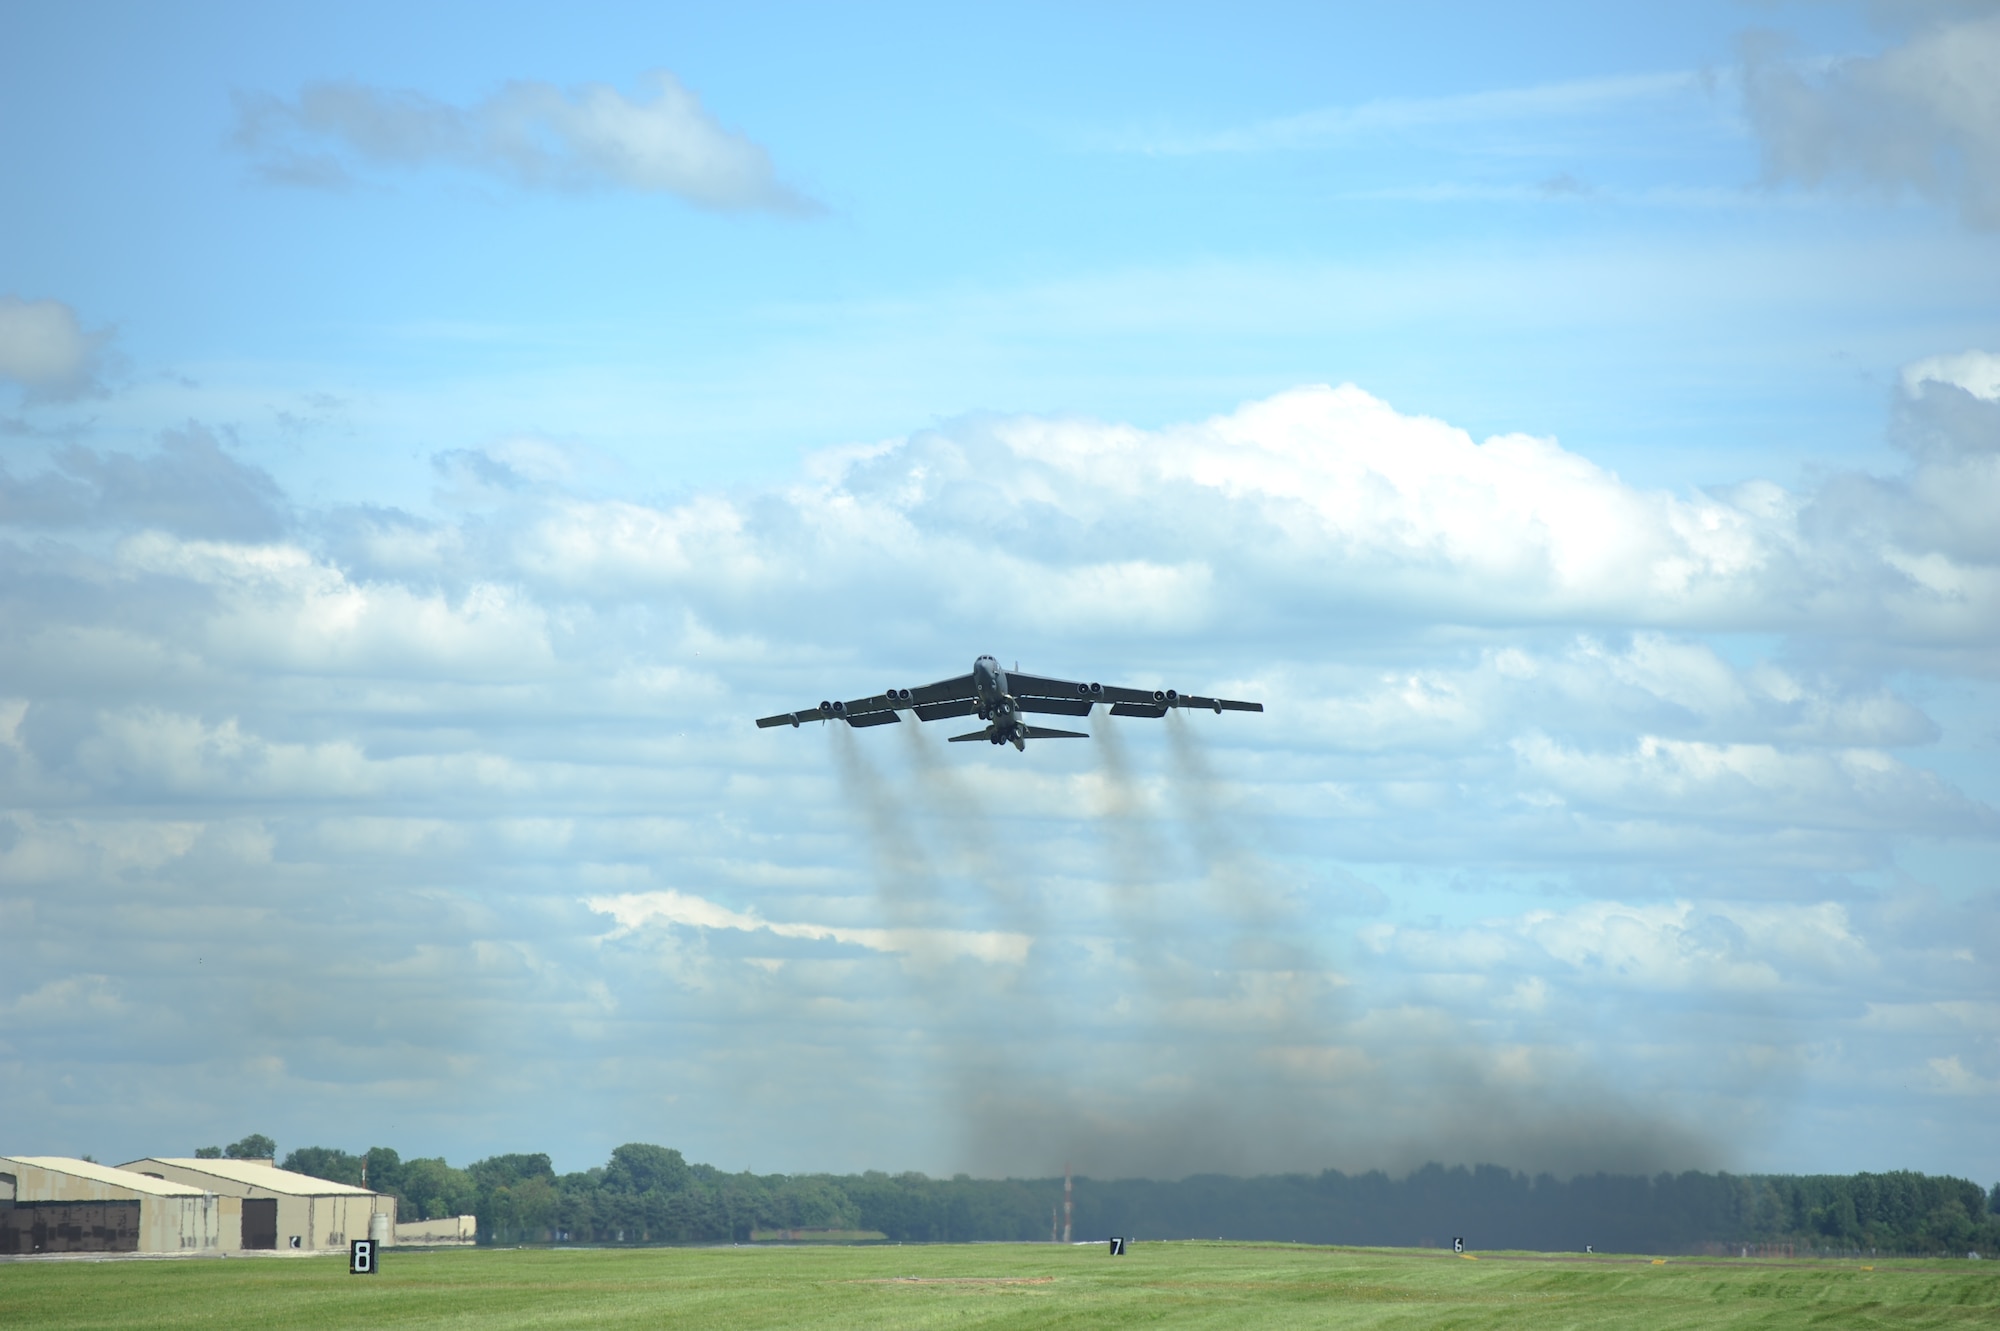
(1066, 1201)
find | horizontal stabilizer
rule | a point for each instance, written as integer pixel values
(961, 739)
(1043, 732)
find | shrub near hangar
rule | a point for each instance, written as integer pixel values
(282, 1209)
(55, 1204)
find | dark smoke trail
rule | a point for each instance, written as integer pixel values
(1191, 1083)
(1240, 1059)
(1008, 1074)
(1163, 944)
(1226, 1050)
(905, 876)
(957, 811)
(987, 1023)
(1139, 870)
(1240, 882)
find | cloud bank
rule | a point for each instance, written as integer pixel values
(1923, 116)
(532, 134)
(45, 351)
(1589, 826)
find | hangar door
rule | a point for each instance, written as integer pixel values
(260, 1222)
(105, 1226)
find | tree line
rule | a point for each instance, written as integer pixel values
(650, 1194)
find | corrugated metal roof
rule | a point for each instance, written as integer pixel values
(267, 1177)
(118, 1178)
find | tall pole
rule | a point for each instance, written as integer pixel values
(1066, 1201)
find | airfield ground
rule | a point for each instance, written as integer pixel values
(982, 1285)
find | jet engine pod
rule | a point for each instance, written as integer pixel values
(1173, 697)
(1159, 695)
(825, 706)
(1083, 689)
(1096, 688)
(839, 707)
(902, 695)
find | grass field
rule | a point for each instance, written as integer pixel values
(1156, 1284)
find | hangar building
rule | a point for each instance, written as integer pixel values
(49, 1203)
(282, 1209)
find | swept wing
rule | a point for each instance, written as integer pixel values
(1069, 697)
(948, 697)
(959, 696)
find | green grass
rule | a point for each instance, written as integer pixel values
(1171, 1284)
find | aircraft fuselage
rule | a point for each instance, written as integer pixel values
(997, 706)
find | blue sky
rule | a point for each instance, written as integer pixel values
(429, 437)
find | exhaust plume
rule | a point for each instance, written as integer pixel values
(1229, 1047)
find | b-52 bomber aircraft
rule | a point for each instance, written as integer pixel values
(1000, 698)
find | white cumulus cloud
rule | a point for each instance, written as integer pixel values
(1977, 372)
(535, 134)
(634, 911)
(446, 764)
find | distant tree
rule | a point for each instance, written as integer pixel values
(637, 1167)
(499, 1171)
(254, 1147)
(651, 1194)
(433, 1190)
(329, 1163)
(1949, 1226)
(812, 1203)
(517, 1197)
(208, 1152)
(383, 1169)
(1837, 1219)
